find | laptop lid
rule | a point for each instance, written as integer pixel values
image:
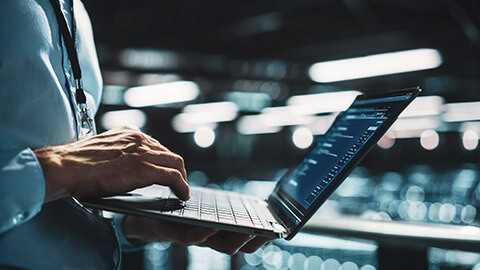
(304, 188)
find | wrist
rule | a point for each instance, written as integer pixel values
(55, 184)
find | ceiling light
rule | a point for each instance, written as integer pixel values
(148, 59)
(429, 139)
(111, 119)
(470, 140)
(285, 116)
(324, 102)
(424, 106)
(204, 137)
(375, 65)
(462, 111)
(181, 126)
(415, 123)
(387, 141)
(406, 134)
(205, 114)
(302, 137)
(255, 124)
(224, 106)
(475, 126)
(160, 94)
(321, 123)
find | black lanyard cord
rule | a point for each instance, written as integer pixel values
(71, 49)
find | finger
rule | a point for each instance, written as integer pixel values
(198, 235)
(180, 233)
(167, 159)
(172, 178)
(227, 242)
(254, 244)
(135, 142)
(155, 145)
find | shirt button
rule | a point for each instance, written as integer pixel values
(18, 218)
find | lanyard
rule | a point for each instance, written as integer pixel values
(86, 120)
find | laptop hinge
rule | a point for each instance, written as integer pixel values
(277, 218)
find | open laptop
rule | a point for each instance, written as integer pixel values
(297, 195)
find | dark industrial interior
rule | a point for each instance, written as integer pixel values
(257, 55)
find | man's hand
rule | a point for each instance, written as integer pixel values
(152, 230)
(121, 160)
(114, 162)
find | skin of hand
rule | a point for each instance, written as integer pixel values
(111, 163)
(121, 160)
(151, 230)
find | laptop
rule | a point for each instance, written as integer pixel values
(296, 196)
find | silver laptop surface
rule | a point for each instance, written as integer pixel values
(297, 195)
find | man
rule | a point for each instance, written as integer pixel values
(47, 159)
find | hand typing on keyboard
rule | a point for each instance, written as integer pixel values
(111, 163)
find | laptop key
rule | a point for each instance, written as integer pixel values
(190, 214)
(226, 220)
(208, 217)
(244, 222)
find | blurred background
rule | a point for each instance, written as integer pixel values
(230, 86)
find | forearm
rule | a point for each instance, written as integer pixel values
(56, 186)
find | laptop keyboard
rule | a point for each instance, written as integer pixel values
(223, 207)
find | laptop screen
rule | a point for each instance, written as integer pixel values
(303, 189)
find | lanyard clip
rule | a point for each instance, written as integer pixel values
(86, 120)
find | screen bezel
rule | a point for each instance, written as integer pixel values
(283, 205)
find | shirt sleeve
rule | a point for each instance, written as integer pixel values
(22, 187)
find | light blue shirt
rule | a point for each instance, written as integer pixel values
(37, 109)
